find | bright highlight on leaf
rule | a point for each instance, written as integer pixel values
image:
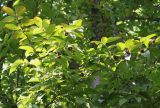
(77, 23)
(27, 48)
(16, 2)
(12, 27)
(104, 40)
(15, 65)
(35, 62)
(38, 21)
(8, 10)
(34, 80)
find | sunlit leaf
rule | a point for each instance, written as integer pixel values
(9, 19)
(132, 44)
(20, 10)
(16, 2)
(15, 65)
(19, 34)
(12, 27)
(34, 31)
(27, 48)
(104, 40)
(34, 80)
(151, 35)
(35, 62)
(145, 40)
(77, 23)
(112, 39)
(38, 21)
(9, 11)
(157, 40)
(45, 23)
(121, 46)
(28, 22)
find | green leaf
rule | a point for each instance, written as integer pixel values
(9, 19)
(112, 39)
(12, 27)
(16, 2)
(122, 67)
(19, 34)
(28, 22)
(45, 23)
(50, 29)
(96, 42)
(27, 48)
(157, 40)
(35, 62)
(78, 34)
(121, 46)
(104, 40)
(145, 41)
(34, 80)
(77, 23)
(15, 65)
(20, 10)
(38, 21)
(34, 31)
(8, 10)
(80, 100)
(132, 44)
(151, 35)
(122, 101)
(2, 24)
(69, 28)
(139, 99)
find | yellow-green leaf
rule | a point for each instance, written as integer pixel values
(12, 27)
(35, 62)
(27, 48)
(16, 2)
(121, 46)
(38, 21)
(104, 40)
(19, 34)
(9, 11)
(34, 31)
(132, 44)
(15, 65)
(112, 39)
(50, 29)
(78, 23)
(157, 40)
(9, 19)
(145, 41)
(34, 79)
(28, 22)
(45, 23)
(20, 10)
(151, 35)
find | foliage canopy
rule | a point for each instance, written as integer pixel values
(79, 53)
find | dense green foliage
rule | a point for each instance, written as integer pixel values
(79, 54)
